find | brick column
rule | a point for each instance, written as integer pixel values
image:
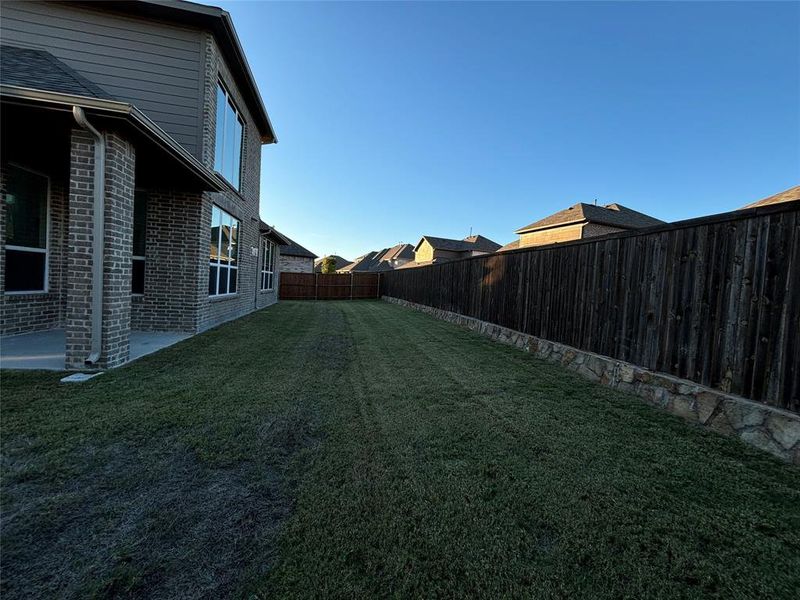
(119, 184)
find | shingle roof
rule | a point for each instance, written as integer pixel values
(339, 262)
(295, 249)
(510, 246)
(399, 252)
(40, 70)
(614, 215)
(472, 243)
(362, 263)
(785, 196)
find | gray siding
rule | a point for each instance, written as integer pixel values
(155, 66)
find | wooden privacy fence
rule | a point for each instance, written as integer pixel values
(715, 300)
(317, 286)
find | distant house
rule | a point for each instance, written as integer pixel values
(787, 196)
(339, 262)
(296, 259)
(435, 249)
(386, 259)
(361, 264)
(395, 257)
(580, 221)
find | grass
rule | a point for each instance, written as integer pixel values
(358, 449)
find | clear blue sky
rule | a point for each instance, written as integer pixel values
(398, 120)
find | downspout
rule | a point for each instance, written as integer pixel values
(98, 235)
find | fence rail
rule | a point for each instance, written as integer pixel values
(715, 300)
(318, 286)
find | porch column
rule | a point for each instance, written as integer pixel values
(119, 184)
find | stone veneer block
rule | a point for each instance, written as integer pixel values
(771, 429)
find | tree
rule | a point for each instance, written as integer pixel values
(328, 265)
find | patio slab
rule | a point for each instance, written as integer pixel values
(46, 349)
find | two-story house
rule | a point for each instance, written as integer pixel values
(580, 221)
(131, 150)
(432, 249)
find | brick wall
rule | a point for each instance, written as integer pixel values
(566, 233)
(296, 264)
(171, 276)
(242, 204)
(119, 183)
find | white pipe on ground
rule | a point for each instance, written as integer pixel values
(98, 235)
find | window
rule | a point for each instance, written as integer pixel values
(228, 142)
(267, 264)
(224, 256)
(139, 237)
(26, 231)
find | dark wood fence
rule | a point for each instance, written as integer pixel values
(715, 300)
(316, 286)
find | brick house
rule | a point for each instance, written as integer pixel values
(295, 258)
(131, 150)
(580, 221)
(435, 249)
(375, 261)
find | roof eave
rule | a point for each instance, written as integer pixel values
(532, 228)
(220, 23)
(122, 110)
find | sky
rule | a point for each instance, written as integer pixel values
(398, 120)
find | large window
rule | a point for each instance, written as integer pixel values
(139, 244)
(224, 257)
(26, 231)
(228, 143)
(267, 264)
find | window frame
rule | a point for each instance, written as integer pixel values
(264, 273)
(218, 264)
(220, 140)
(136, 257)
(45, 250)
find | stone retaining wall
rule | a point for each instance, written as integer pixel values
(774, 430)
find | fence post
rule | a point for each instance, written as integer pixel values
(351, 285)
(378, 286)
(316, 284)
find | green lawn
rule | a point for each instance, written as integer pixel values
(361, 450)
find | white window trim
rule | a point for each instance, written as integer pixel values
(218, 264)
(45, 250)
(265, 244)
(230, 102)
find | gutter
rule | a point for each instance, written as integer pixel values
(98, 235)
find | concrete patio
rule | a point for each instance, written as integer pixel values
(46, 349)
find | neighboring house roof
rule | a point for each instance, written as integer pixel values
(37, 78)
(785, 196)
(400, 252)
(473, 243)
(220, 23)
(363, 262)
(38, 69)
(613, 215)
(339, 263)
(380, 260)
(273, 234)
(295, 249)
(510, 246)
